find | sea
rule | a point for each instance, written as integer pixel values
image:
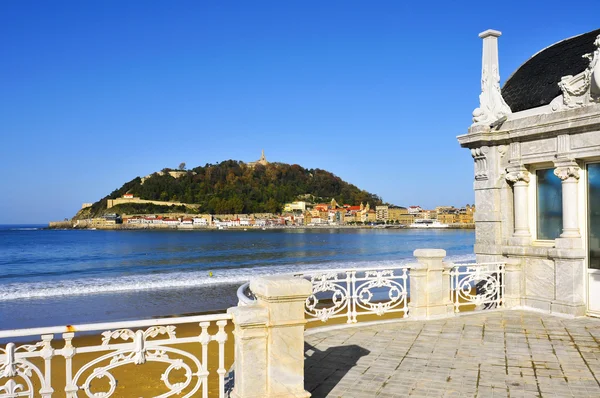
(70, 277)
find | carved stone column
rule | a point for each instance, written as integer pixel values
(519, 178)
(568, 172)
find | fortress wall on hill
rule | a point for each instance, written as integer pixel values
(113, 202)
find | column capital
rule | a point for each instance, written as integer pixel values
(564, 172)
(517, 175)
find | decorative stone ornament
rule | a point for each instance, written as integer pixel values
(582, 89)
(517, 176)
(481, 168)
(491, 104)
(567, 172)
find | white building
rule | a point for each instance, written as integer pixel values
(536, 148)
(414, 209)
(203, 222)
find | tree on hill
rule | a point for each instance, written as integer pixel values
(234, 187)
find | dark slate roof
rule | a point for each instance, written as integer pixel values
(535, 83)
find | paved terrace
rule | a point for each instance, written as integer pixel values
(490, 354)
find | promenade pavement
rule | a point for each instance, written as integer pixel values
(485, 354)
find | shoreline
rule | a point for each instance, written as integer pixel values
(64, 225)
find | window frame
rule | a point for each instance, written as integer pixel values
(533, 204)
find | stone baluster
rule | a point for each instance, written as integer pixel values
(568, 172)
(519, 178)
(250, 351)
(513, 283)
(430, 285)
(269, 339)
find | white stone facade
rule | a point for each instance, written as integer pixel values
(507, 148)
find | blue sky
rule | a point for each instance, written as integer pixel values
(93, 94)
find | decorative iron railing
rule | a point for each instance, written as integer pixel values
(356, 292)
(350, 293)
(477, 286)
(93, 364)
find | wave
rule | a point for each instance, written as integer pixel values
(24, 229)
(179, 280)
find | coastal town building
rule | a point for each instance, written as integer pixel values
(294, 206)
(382, 212)
(536, 149)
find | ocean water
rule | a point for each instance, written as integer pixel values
(57, 277)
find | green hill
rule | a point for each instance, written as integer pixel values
(235, 187)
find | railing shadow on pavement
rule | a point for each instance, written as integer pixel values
(325, 369)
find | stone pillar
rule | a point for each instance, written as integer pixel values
(283, 297)
(569, 174)
(250, 351)
(519, 178)
(513, 282)
(429, 286)
(491, 104)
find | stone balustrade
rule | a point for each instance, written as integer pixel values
(268, 329)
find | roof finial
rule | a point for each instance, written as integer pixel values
(491, 104)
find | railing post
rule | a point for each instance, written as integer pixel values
(284, 297)
(429, 285)
(277, 370)
(513, 286)
(250, 366)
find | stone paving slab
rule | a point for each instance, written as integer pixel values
(487, 354)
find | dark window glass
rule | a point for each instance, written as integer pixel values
(549, 205)
(594, 214)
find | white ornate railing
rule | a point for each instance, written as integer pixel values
(26, 370)
(352, 293)
(480, 285)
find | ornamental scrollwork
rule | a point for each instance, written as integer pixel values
(567, 172)
(517, 176)
(491, 104)
(139, 354)
(481, 167)
(480, 285)
(19, 371)
(326, 283)
(583, 88)
(396, 292)
(128, 334)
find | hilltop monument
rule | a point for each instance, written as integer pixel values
(262, 160)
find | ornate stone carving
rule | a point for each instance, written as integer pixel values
(502, 149)
(491, 104)
(517, 176)
(481, 169)
(583, 88)
(565, 172)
